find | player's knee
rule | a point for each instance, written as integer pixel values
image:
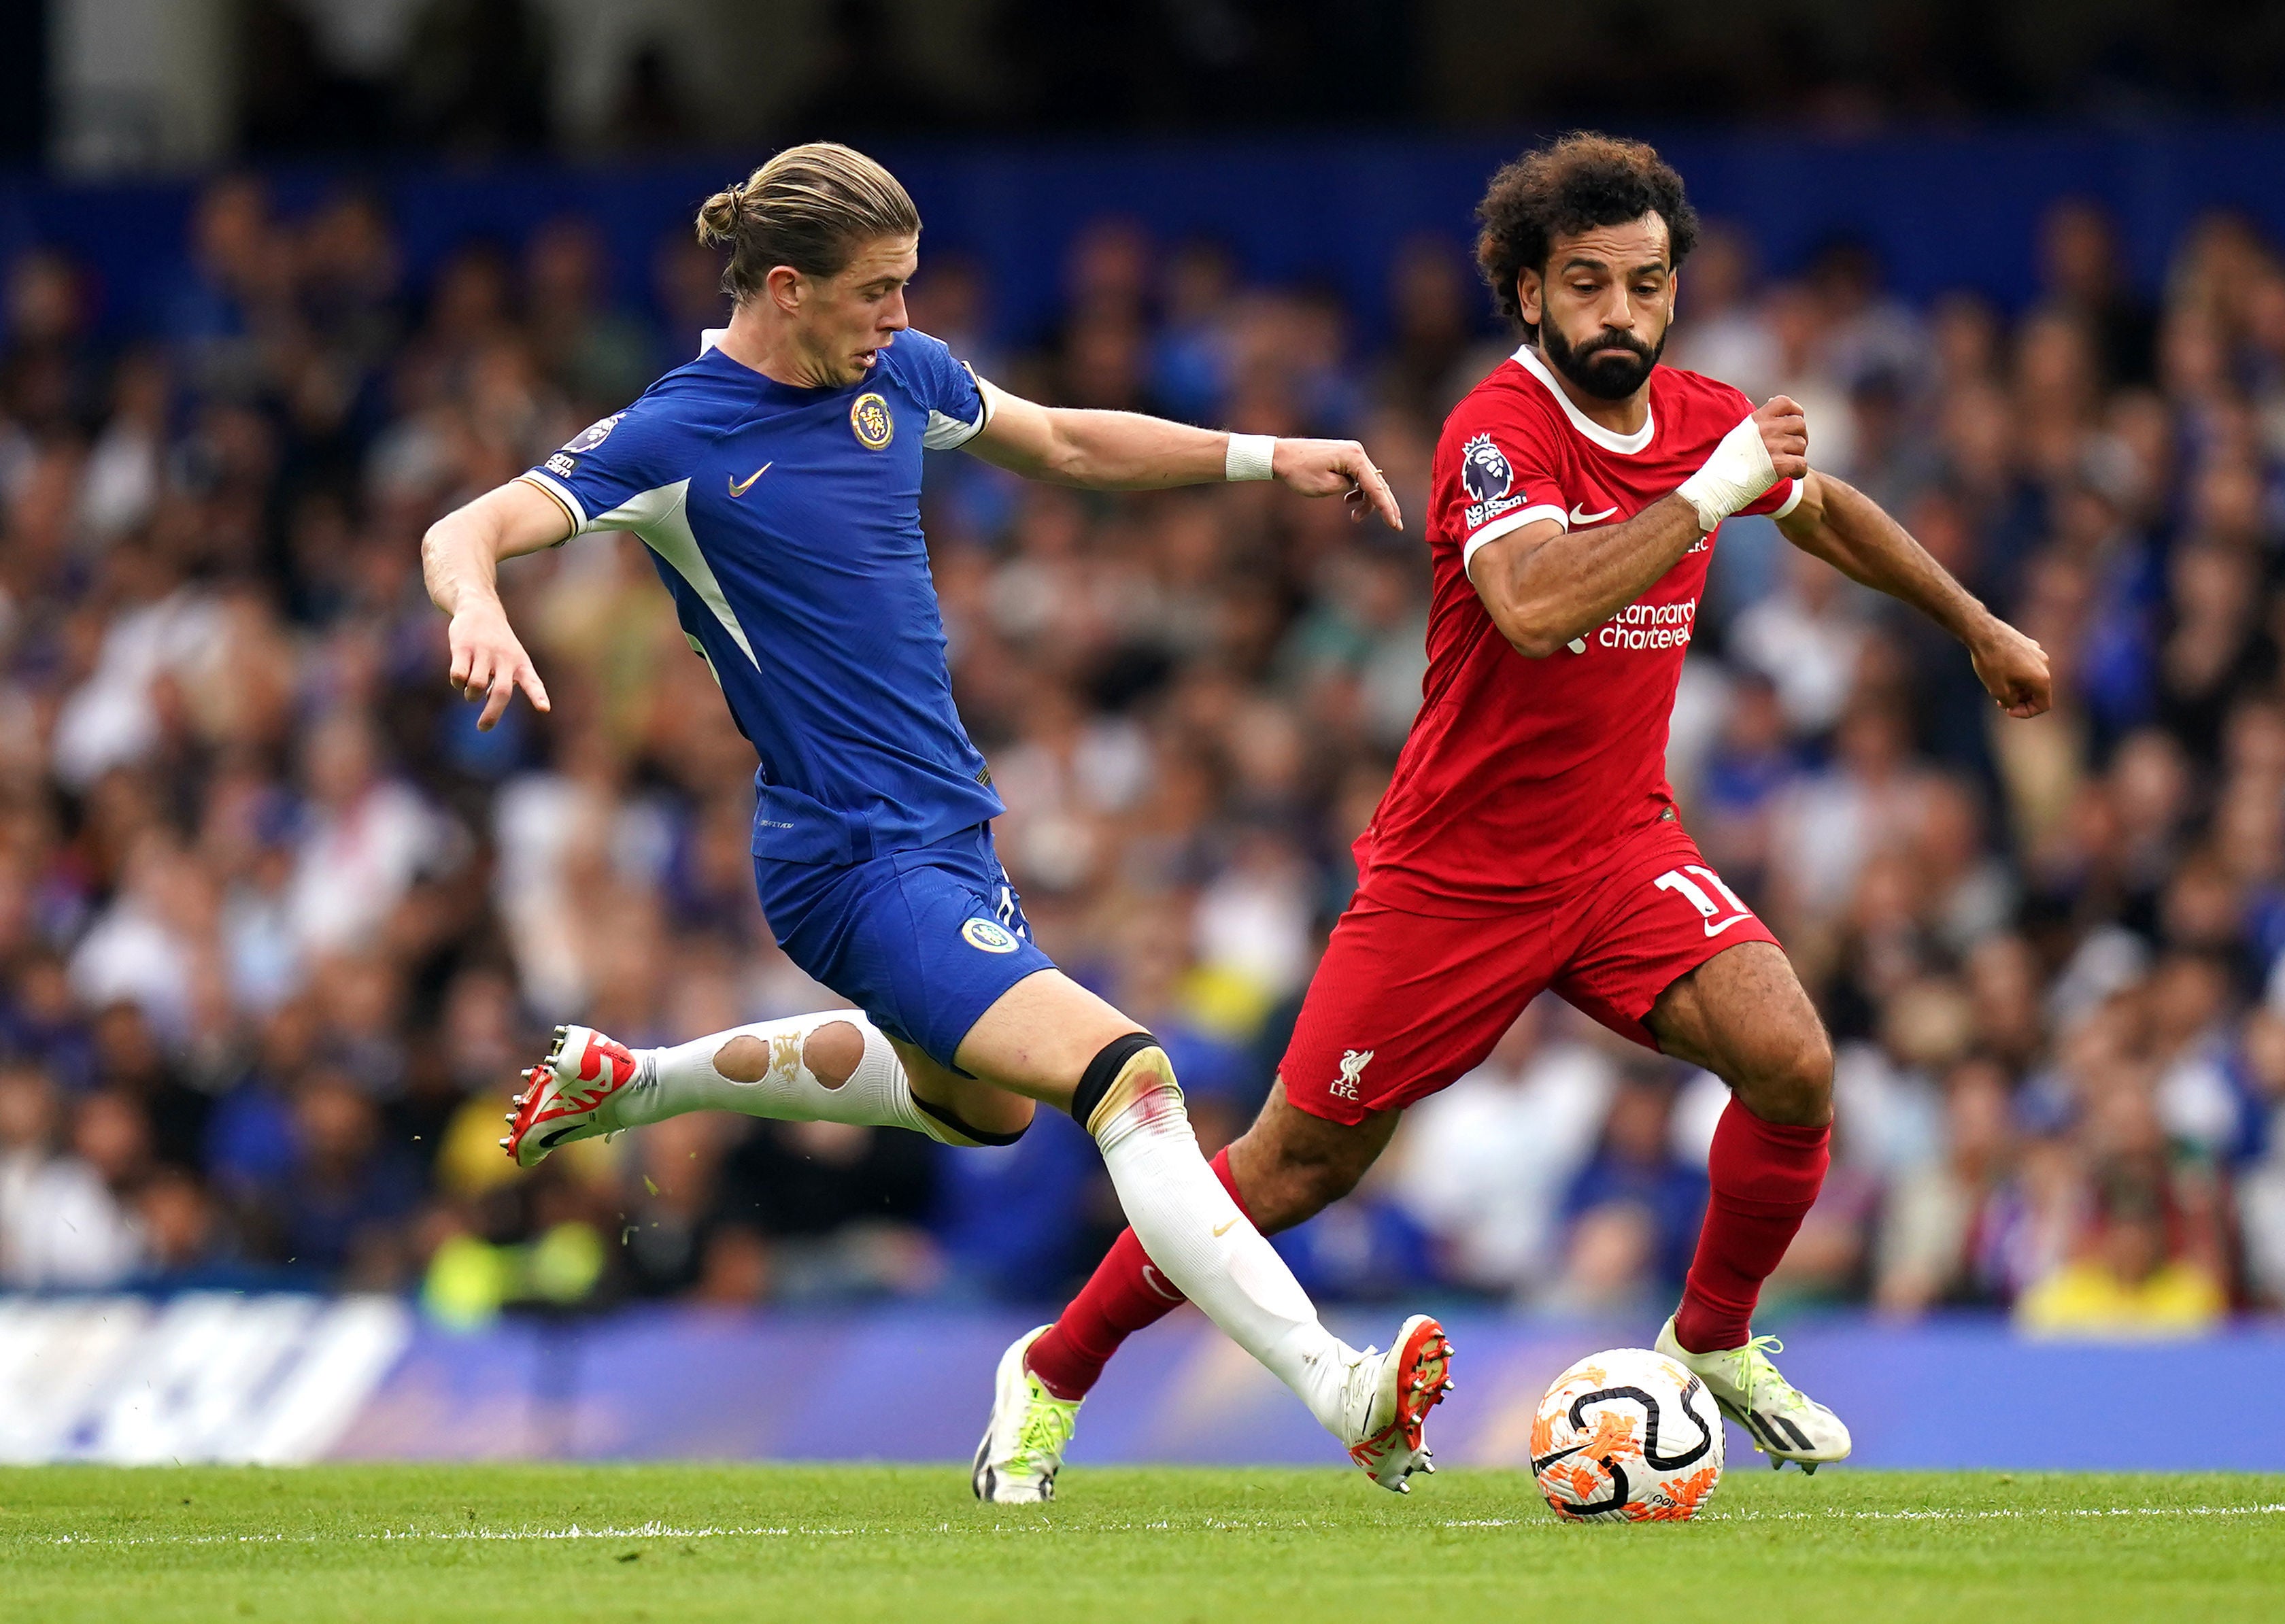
(833, 1052)
(1795, 1083)
(994, 1116)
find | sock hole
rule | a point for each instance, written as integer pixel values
(833, 1052)
(743, 1059)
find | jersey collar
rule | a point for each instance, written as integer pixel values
(1626, 446)
(710, 348)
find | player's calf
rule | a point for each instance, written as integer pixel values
(1743, 1015)
(1291, 1165)
(1295, 1166)
(833, 1066)
(830, 1053)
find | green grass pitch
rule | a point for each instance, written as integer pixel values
(407, 1544)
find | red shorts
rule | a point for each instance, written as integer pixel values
(1403, 1003)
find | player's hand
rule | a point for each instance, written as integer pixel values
(490, 663)
(1335, 467)
(2013, 669)
(1784, 431)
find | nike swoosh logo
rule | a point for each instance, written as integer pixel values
(1157, 1282)
(550, 1141)
(1224, 1228)
(738, 487)
(1579, 518)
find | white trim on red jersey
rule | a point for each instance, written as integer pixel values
(1505, 523)
(1625, 445)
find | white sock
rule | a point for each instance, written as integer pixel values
(1205, 1243)
(683, 1078)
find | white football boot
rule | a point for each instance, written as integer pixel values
(568, 1096)
(1024, 1445)
(1388, 1400)
(1785, 1423)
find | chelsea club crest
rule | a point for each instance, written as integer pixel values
(869, 420)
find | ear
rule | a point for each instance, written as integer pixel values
(1527, 289)
(785, 287)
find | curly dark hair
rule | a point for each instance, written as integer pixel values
(1582, 181)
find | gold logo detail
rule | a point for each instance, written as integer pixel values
(991, 937)
(738, 487)
(1224, 1228)
(869, 421)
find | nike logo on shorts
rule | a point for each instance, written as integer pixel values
(1224, 1228)
(738, 487)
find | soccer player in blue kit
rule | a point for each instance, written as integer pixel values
(775, 480)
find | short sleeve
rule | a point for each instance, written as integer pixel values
(947, 388)
(604, 472)
(1500, 475)
(1778, 500)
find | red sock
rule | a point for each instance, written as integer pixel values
(1765, 1177)
(1124, 1293)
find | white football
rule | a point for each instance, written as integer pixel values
(1627, 1436)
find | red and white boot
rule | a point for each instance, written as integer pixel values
(1389, 1397)
(568, 1096)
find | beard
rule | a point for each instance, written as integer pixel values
(1612, 366)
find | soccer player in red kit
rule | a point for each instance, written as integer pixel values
(1529, 839)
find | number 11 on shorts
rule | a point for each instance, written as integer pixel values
(1719, 914)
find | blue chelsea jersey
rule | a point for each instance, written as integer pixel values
(787, 523)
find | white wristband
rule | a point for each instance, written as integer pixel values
(1249, 456)
(1738, 471)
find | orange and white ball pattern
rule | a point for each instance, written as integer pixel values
(1627, 1435)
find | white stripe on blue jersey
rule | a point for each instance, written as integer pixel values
(786, 523)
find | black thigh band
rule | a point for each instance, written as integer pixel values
(1103, 1071)
(950, 1119)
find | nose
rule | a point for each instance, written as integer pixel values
(893, 318)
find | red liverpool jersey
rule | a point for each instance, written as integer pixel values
(1519, 773)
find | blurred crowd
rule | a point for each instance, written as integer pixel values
(278, 927)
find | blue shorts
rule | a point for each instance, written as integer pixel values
(922, 941)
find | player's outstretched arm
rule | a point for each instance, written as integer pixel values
(1849, 531)
(1125, 450)
(1544, 585)
(459, 561)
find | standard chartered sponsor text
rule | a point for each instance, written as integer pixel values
(1649, 626)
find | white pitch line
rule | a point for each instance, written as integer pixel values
(659, 1531)
(1840, 1514)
